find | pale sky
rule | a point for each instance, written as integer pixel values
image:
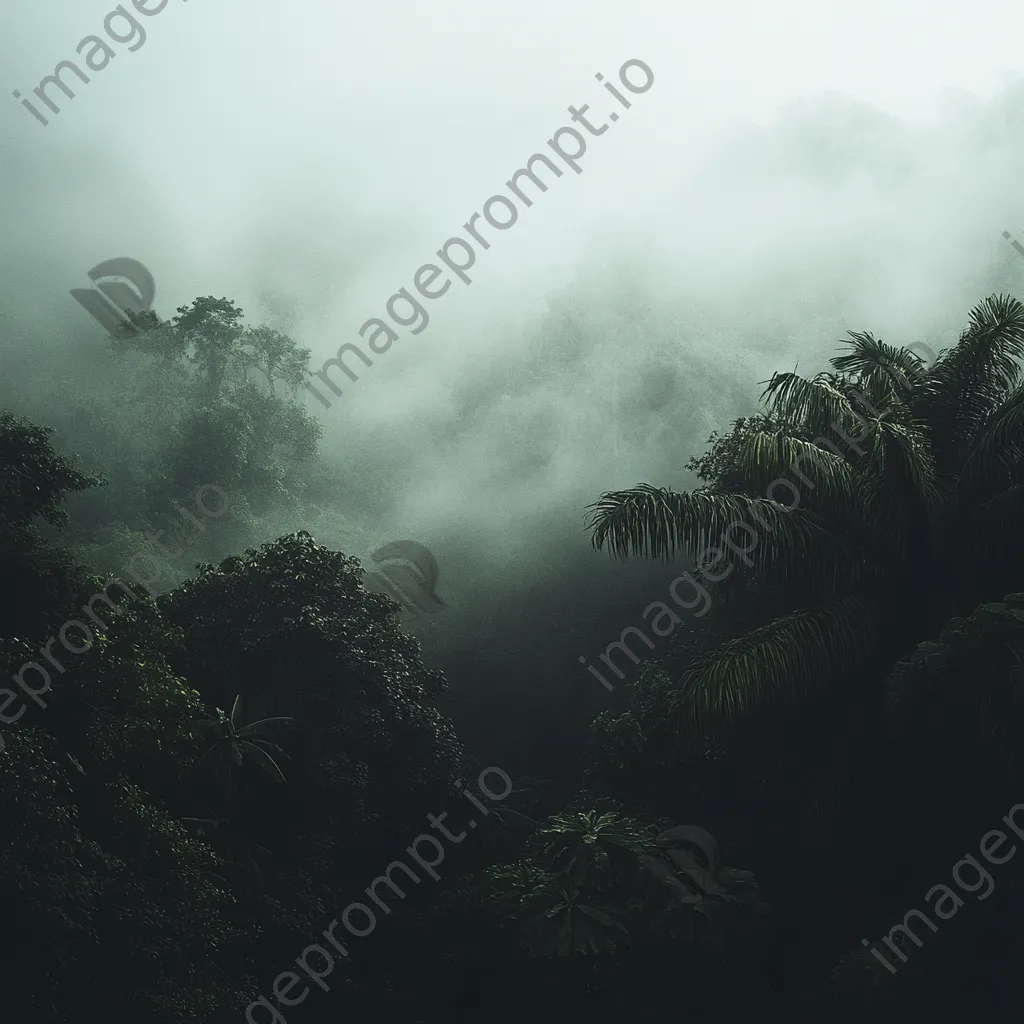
(795, 171)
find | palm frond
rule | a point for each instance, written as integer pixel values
(766, 457)
(903, 479)
(817, 404)
(778, 663)
(661, 523)
(216, 750)
(1004, 511)
(998, 445)
(265, 761)
(880, 366)
(265, 726)
(236, 712)
(993, 344)
(972, 378)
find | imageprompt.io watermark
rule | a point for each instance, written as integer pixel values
(714, 556)
(127, 30)
(286, 981)
(111, 300)
(458, 254)
(152, 575)
(947, 902)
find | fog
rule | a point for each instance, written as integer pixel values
(794, 172)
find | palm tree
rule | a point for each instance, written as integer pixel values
(556, 917)
(591, 890)
(899, 483)
(233, 744)
(568, 923)
(588, 845)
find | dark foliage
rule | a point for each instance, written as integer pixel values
(211, 777)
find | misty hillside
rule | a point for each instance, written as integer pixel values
(511, 512)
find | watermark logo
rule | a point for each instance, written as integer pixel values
(112, 299)
(678, 867)
(408, 575)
